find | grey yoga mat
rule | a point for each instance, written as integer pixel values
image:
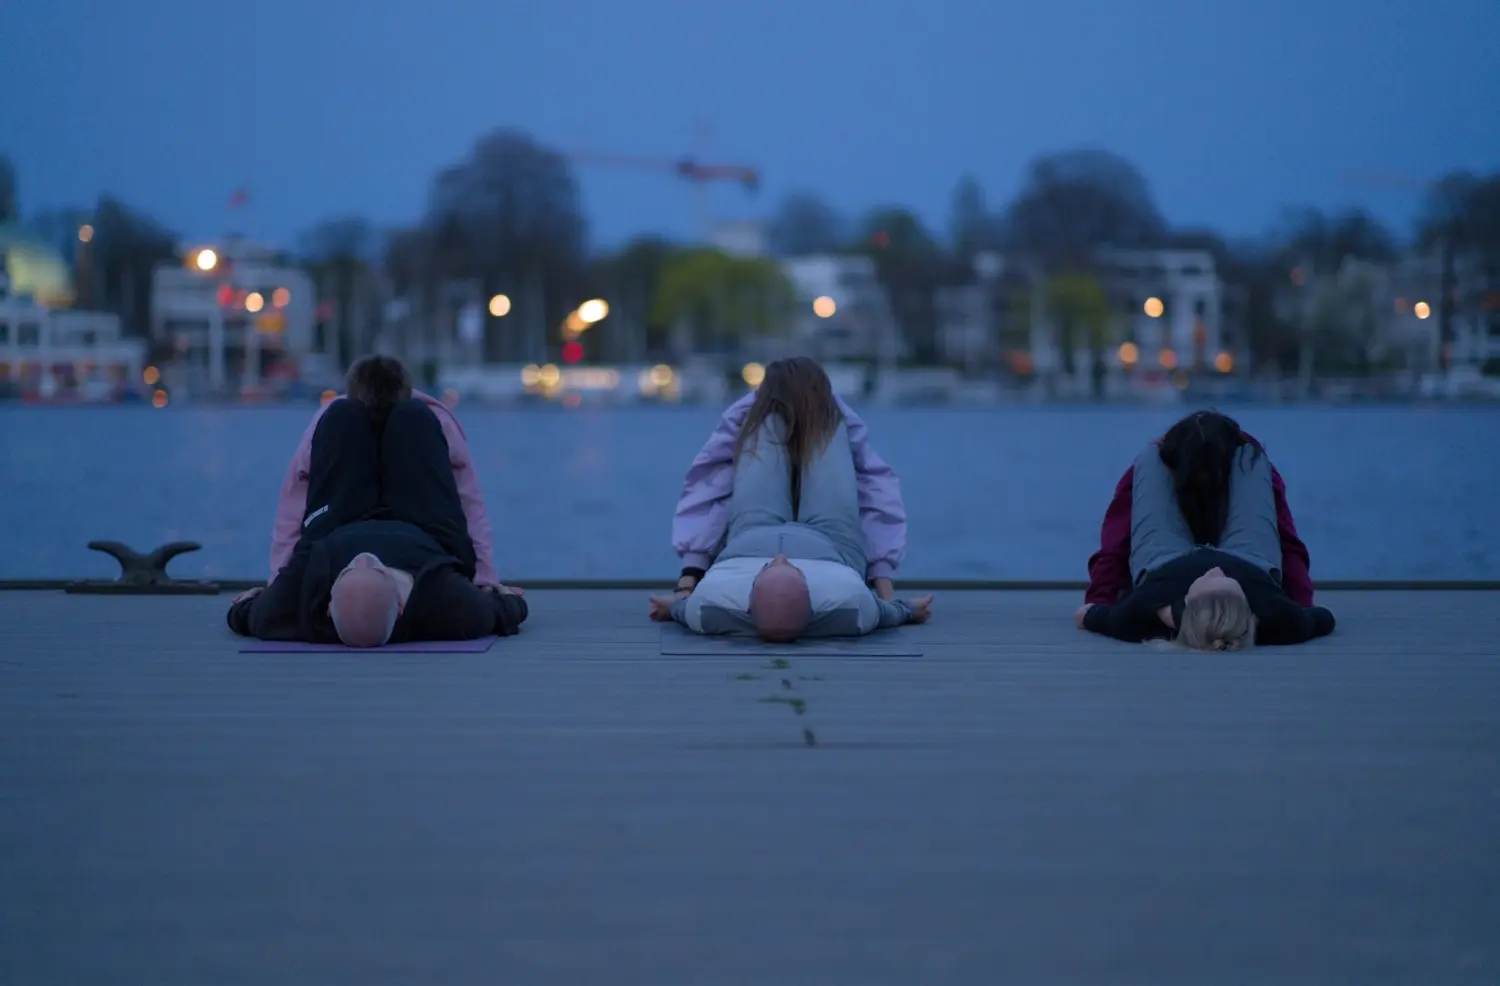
(677, 640)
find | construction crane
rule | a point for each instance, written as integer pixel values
(689, 169)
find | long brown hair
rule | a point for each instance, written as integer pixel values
(798, 392)
(1200, 451)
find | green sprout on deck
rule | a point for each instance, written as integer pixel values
(798, 705)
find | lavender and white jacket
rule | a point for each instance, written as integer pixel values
(702, 516)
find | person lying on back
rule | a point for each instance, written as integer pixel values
(1206, 552)
(1110, 575)
(367, 376)
(794, 562)
(384, 554)
(701, 519)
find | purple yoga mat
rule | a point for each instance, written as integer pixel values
(420, 647)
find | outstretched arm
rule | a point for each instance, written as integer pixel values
(275, 612)
(702, 514)
(1133, 619)
(882, 511)
(1282, 621)
(893, 613)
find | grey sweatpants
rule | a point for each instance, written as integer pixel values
(825, 524)
(1158, 534)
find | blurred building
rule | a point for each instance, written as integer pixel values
(740, 238)
(843, 311)
(231, 315)
(62, 353)
(1171, 307)
(988, 321)
(1412, 329)
(1166, 312)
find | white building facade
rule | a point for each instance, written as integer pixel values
(232, 314)
(843, 311)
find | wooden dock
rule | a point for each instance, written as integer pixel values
(1022, 804)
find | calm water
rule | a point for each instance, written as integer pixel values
(1003, 493)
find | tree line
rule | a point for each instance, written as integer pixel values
(507, 219)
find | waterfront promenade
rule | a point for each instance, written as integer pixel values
(1020, 803)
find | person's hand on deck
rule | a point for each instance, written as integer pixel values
(250, 593)
(921, 608)
(661, 608)
(1082, 612)
(506, 590)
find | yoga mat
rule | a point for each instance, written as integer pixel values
(419, 647)
(677, 640)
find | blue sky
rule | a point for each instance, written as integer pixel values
(1232, 109)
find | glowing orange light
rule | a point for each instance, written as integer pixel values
(1167, 358)
(281, 297)
(1129, 353)
(159, 399)
(1224, 362)
(328, 396)
(150, 375)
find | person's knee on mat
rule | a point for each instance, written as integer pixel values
(780, 602)
(365, 603)
(412, 414)
(346, 412)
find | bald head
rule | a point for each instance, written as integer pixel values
(364, 603)
(780, 604)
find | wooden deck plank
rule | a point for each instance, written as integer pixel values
(1024, 803)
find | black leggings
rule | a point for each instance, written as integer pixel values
(360, 471)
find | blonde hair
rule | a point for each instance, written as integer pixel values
(1217, 621)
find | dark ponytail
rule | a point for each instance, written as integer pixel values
(1200, 451)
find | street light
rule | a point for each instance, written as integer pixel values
(254, 302)
(85, 233)
(593, 311)
(500, 306)
(206, 259)
(753, 374)
(824, 307)
(1421, 309)
(1153, 308)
